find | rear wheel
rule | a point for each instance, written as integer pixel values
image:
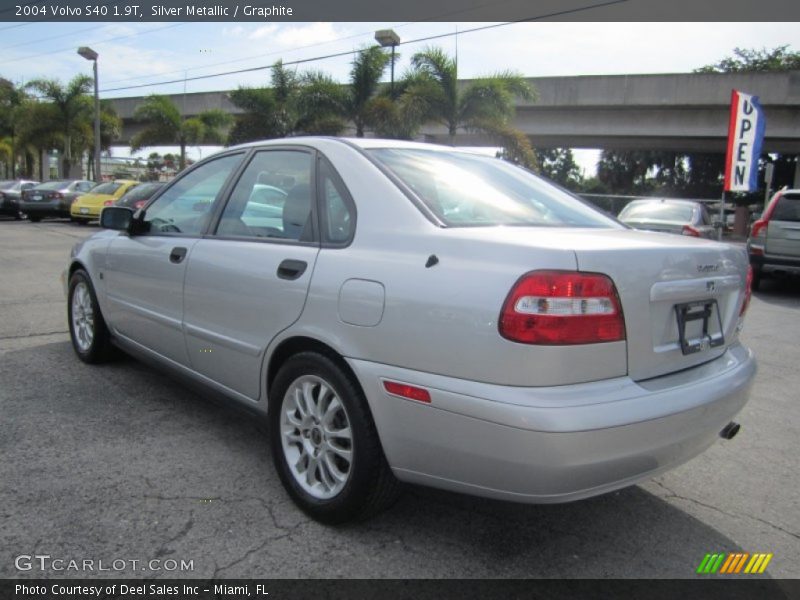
(324, 444)
(87, 329)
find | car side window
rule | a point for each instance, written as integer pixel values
(272, 199)
(186, 206)
(338, 208)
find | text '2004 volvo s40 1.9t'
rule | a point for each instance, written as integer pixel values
(409, 312)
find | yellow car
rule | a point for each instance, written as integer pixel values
(88, 206)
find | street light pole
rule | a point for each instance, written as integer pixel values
(386, 38)
(90, 54)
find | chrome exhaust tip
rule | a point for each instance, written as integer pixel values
(730, 430)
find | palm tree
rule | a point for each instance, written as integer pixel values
(485, 104)
(11, 100)
(38, 131)
(72, 104)
(311, 103)
(165, 126)
(365, 75)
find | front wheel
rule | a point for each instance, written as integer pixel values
(87, 329)
(324, 444)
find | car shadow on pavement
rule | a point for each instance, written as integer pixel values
(780, 291)
(122, 462)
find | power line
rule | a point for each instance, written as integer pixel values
(227, 62)
(97, 43)
(348, 52)
(47, 39)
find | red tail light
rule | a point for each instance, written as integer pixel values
(689, 230)
(139, 203)
(748, 290)
(562, 308)
(108, 203)
(58, 195)
(760, 227)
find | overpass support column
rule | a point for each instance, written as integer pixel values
(796, 184)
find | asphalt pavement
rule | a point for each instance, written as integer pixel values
(123, 463)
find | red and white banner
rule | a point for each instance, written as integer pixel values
(745, 135)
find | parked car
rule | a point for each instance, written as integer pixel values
(774, 242)
(685, 217)
(53, 198)
(10, 193)
(136, 197)
(88, 206)
(425, 315)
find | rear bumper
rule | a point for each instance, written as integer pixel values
(91, 212)
(45, 209)
(556, 444)
(775, 262)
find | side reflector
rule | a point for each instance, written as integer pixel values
(407, 391)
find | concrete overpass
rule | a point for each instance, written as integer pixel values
(680, 112)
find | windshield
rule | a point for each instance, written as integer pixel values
(465, 190)
(52, 185)
(657, 211)
(105, 188)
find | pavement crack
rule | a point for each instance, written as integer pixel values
(162, 551)
(31, 335)
(672, 494)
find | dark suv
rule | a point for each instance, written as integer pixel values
(774, 242)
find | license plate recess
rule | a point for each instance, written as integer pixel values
(707, 313)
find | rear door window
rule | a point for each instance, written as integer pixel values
(273, 198)
(788, 208)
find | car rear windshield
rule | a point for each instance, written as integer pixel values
(105, 188)
(788, 208)
(465, 190)
(52, 185)
(657, 211)
(142, 192)
(9, 185)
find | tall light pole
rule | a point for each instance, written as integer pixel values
(91, 55)
(386, 38)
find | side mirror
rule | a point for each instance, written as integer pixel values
(119, 218)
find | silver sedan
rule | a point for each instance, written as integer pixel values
(407, 312)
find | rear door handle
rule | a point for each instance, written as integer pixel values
(177, 255)
(291, 269)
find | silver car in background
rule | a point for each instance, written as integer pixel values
(685, 217)
(409, 312)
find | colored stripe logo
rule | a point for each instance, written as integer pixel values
(731, 563)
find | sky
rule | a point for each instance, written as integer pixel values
(143, 53)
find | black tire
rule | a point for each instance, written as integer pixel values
(34, 219)
(80, 221)
(756, 283)
(99, 349)
(370, 485)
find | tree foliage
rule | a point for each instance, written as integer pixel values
(558, 164)
(310, 103)
(165, 126)
(749, 60)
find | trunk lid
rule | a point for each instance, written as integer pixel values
(653, 274)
